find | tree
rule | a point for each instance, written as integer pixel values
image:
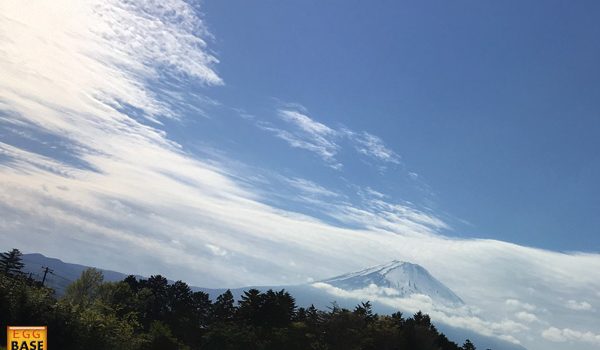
(468, 345)
(365, 311)
(278, 308)
(162, 338)
(11, 262)
(86, 288)
(223, 308)
(250, 307)
(314, 317)
(398, 319)
(156, 300)
(202, 306)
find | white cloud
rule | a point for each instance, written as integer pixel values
(566, 334)
(373, 146)
(526, 316)
(519, 304)
(306, 124)
(311, 188)
(553, 334)
(579, 306)
(216, 250)
(308, 134)
(373, 193)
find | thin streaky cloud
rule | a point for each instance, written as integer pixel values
(372, 146)
(311, 188)
(306, 133)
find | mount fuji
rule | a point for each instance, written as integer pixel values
(403, 278)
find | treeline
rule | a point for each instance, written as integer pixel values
(153, 314)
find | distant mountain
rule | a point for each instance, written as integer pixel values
(61, 274)
(404, 277)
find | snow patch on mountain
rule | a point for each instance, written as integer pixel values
(400, 279)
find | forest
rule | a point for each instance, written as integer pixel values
(155, 314)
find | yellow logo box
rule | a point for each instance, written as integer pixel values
(27, 338)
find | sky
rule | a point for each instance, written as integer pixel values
(232, 143)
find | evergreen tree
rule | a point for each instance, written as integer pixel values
(11, 262)
(250, 307)
(365, 311)
(398, 318)
(202, 306)
(468, 345)
(223, 308)
(313, 316)
(278, 308)
(157, 300)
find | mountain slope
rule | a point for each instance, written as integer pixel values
(404, 277)
(62, 273)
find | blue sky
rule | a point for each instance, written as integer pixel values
(268, 143)
(494, 105)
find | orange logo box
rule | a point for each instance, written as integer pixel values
(27, 338)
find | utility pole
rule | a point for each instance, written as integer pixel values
(46, 270)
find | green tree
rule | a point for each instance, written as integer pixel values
(11, 262)
(156, 298)
(161, 338)
(85, 289)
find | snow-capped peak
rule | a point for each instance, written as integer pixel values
(404, 277)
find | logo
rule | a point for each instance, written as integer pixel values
(27, 338)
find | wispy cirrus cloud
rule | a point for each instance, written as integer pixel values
(311, 188)
(308, 125)
(372, 146)
(306, 133)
